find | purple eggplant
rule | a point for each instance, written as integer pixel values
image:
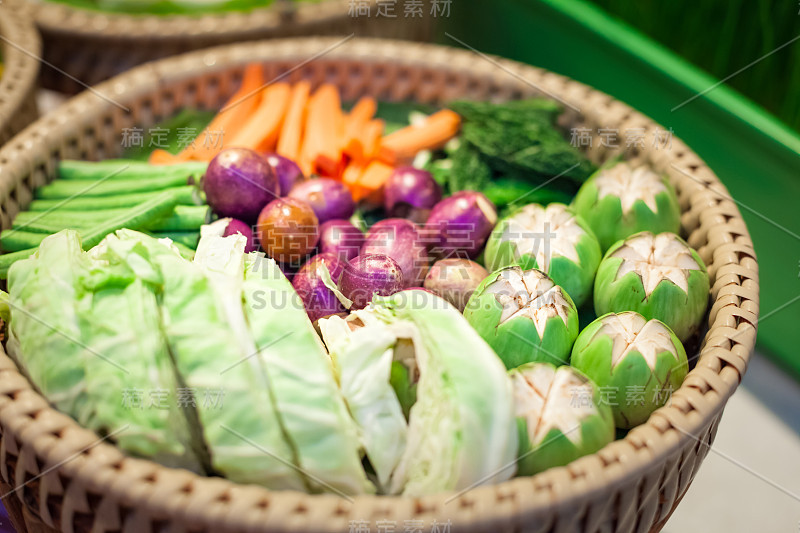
(237, 226)
(455, 280)
(318, 299)
(288, 230)
(399, 239)
(459, 225)
(411, 193)
(330, 199)
(366, 275)
(287, 172)
(340, 237)
(239, 183)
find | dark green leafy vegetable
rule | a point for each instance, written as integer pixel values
(470, 169)
(507, 149)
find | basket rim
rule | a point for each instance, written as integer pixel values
(62, 19)
(21, 50)
(722, 357)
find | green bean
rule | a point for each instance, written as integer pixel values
(6, 260)
(183, 218)
(185, 195)
(136, 217)
(121, 169)
(13, 240)
(69, 188)
(48, 227)
(153, 209)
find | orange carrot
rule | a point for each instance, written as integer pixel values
(322, 151)
(350, 178)
(292, 130)
(363, 110)
(355, 122)
(234, 113)
(162, 157)
(370, 183)
(433, 133)
(371, 138)
(260, 131)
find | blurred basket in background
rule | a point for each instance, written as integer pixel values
(63, 478)
(92, 46)
(20, 49)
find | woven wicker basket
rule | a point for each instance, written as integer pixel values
(66, 479)
(20, 48)
(94, 46)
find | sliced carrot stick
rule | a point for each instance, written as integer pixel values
(162, 157)
(260, 131)
(363, 110)
(291, 133)
(371, 181)
(355, 122)
(350, 177)
(324, 128)
(433, 133)
(371, 142)
(233, 114)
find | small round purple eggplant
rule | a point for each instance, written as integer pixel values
(288, 230)
(237, 226)
(411, 193)
(455, 280)
(239, 183)
(399, 239)
(370, 274)
(330, 199)
(287, 172)
(340, 237)
(459, 225)
(318, 299)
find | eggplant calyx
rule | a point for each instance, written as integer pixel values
(630, 184)
(631, 332)
(531, 294)
(656, 258)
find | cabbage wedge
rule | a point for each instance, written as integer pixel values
(461, 430)
(94, 349)
(226, 393)
(44, 293)
(301, 377)
(362, 358)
